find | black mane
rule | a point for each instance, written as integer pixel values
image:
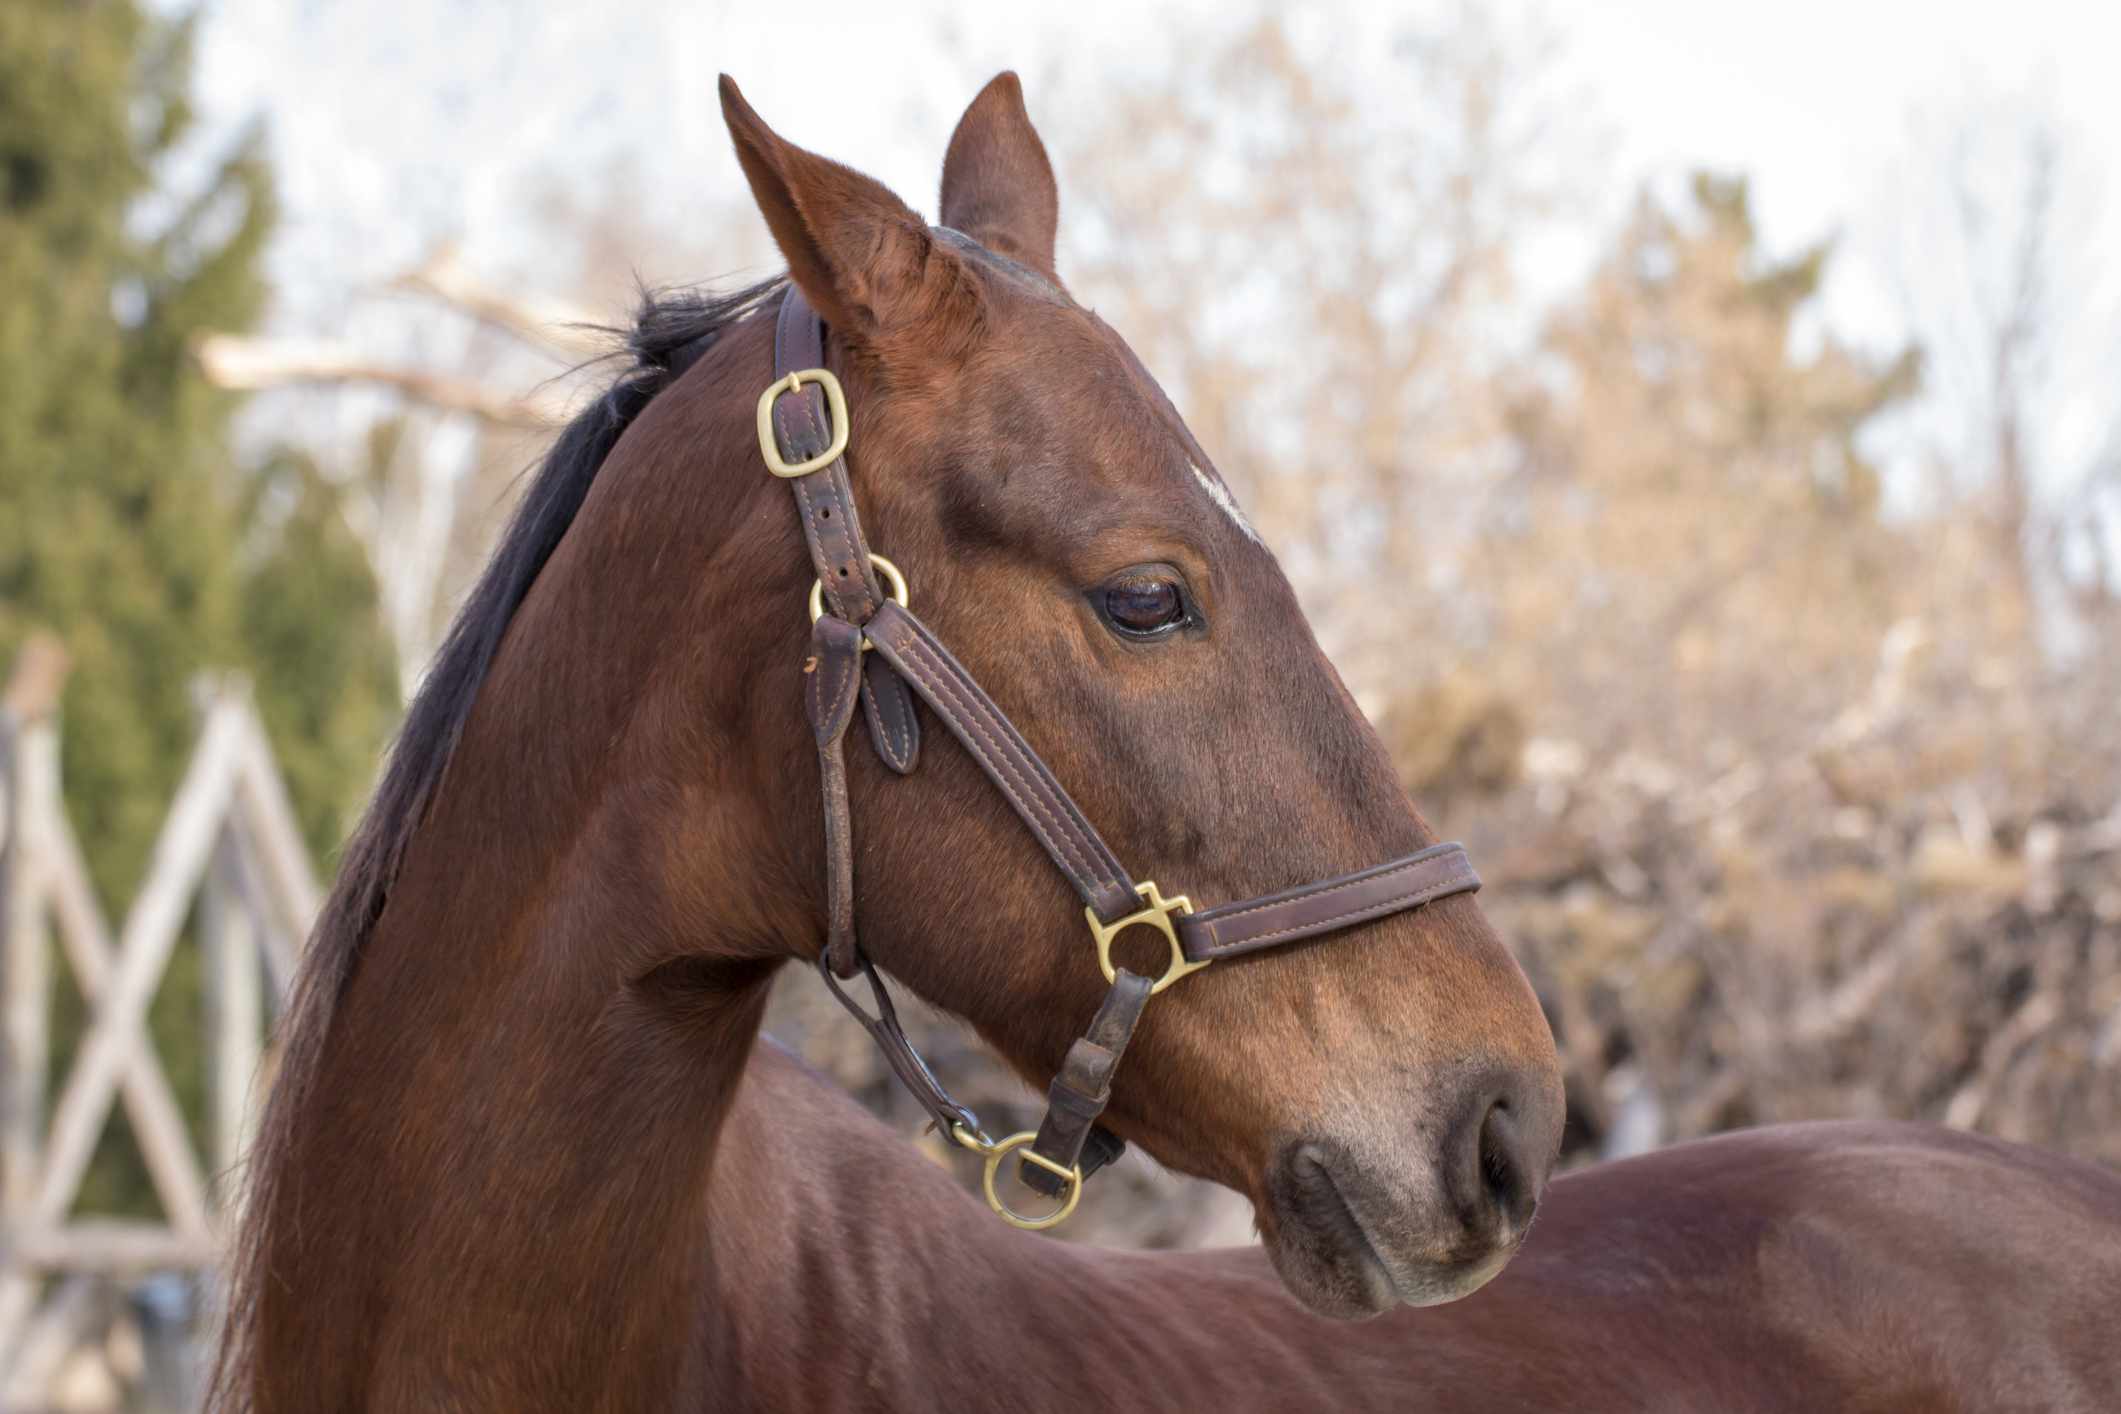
(670, 331)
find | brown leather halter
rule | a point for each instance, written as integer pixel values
(803, 431)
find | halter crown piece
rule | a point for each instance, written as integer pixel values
(859, 603)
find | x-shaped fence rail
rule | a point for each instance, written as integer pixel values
(230, 843)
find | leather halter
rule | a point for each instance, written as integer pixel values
(803, 433)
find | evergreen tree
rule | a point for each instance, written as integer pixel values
(117, 528)
(124, 525)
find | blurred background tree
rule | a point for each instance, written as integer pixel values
(1328, 285)
(1690, 519)
(125, 524)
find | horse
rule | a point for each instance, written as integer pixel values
(1851, 1265)
(487, 1175)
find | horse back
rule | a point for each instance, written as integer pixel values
(1848, 1266)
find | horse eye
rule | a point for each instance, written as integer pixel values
(1144, 606)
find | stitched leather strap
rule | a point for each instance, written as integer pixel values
(1331, 904)
(832, 529)
(1082, 1089)
(1007, 758)
(837, 674)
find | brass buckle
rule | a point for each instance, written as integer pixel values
(1158, 916)
(893, 581)
(995, 1150)
(835, 404)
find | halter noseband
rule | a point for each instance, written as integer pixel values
(803, 430)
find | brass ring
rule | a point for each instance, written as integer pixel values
(1000, 1150)
(893, 580)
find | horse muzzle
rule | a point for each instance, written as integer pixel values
(1358, 1223)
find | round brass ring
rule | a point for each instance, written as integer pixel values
(893, 581)
(1001, 1150)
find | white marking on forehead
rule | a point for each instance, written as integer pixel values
(1220, 495)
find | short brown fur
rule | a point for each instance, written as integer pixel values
(1855, 1267)
(501, 1171)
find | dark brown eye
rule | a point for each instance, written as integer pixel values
(1144, 605)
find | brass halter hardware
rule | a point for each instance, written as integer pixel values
(835, 403)
(1069, 1144)
(1158, 916)
(994, 1151)
(893, 580)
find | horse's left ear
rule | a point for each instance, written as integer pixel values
(997, 180)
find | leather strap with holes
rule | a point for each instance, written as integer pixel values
(825, 503)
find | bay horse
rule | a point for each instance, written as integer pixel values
(528, 1151)
(486, 1178)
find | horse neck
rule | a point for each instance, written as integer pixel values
(495, 1192)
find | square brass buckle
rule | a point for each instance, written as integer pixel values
(1158, 916)
(835, 404)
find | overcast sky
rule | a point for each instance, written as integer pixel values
(398, 122)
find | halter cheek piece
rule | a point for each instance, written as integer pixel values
(803, 436)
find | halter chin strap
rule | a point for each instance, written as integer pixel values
(803, 434)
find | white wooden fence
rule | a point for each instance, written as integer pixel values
(229, 842)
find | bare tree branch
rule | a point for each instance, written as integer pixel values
(546, 323)
(243, 363)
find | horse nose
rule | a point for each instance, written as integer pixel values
(1498, 1156)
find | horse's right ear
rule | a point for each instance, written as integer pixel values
(862, 257)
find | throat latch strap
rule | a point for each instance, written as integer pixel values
(950, 1117)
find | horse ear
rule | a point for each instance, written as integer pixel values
(997, 180)
(863, 258)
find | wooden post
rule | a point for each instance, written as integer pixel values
(29, 779)
(22, 992)
(234, 1013)
(29, 786)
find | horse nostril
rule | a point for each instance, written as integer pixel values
(1504, 1171)
(1496, 1172)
